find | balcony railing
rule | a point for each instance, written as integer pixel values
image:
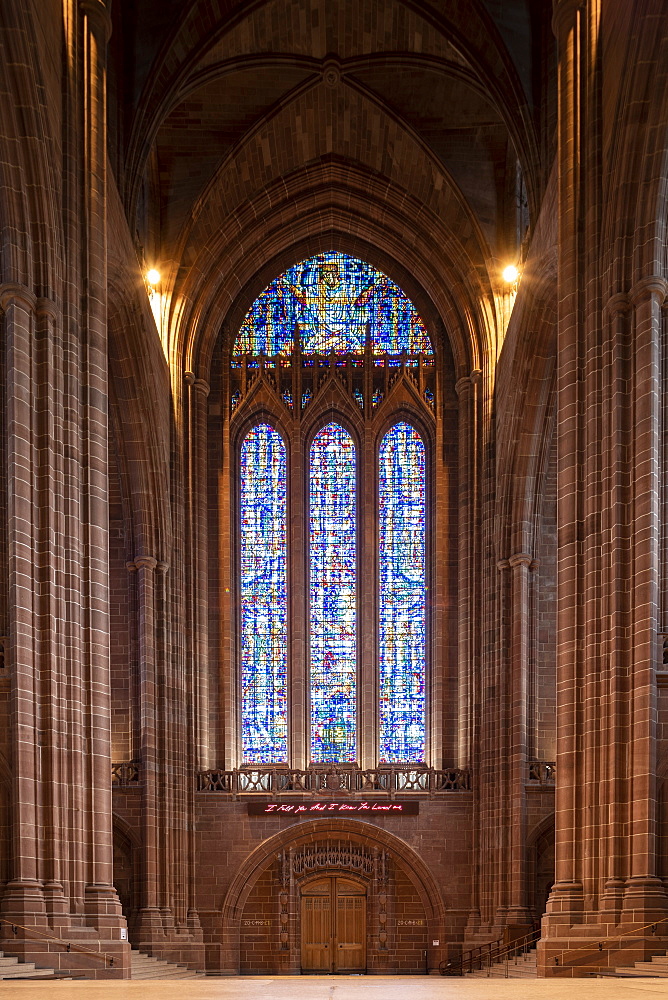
(125, 774)
(332, 780)
(542, 771)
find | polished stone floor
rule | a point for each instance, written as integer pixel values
(342, 988)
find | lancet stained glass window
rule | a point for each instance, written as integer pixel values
(333, 614)
(332, 299)
(263, 495)
(402, 597)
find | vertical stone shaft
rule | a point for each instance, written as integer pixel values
(97, 27)
(298, 602)
(367, 505)
(164, 751)
(147, 691)
(52, 610)
(469, 730)
(616, 604)
(567, 889)
(198, 444)
(23, 893)
(466, 423)
(521, 566)
(644, 890)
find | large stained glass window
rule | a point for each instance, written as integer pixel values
(333, 617)
(402, 604)
(332, 300)
(264, 708)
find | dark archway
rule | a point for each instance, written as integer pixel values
(541, 852)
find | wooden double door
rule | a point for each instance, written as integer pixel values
(333, 925)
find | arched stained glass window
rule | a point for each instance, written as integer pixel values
(264, 708)
(333, 612)
(402, 595)
(333, 334)
(332, 300)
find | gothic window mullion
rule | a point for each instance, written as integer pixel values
(368, 685)
(298, 602)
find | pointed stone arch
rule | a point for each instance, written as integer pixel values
(311, 831)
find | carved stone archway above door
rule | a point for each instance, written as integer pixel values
(404, 914)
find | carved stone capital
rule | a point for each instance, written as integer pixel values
(131, 566)
(563, 17)
(189, 378)
(652, 287)
(503, 564)
(98, 14)
(162, 566)
(476, 376)
(463, 385)
(617, 304)
(17, 293)
(146, 562)
(520, 559)
(202, 386)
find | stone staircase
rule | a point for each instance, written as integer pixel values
(657, 967)
(147, 967)
(519, 967)
(14, 968)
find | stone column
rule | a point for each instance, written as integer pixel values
(645, 895)
(197, 750)
(468, 750)
(617, 606)
(609, 469)
(150, 917)
(566, 897)
(521, 566)
(464, 389)
(165, 753)
(102, 903)
(199, 392)
(23, 898)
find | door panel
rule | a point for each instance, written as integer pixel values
(316, 933)
(333, 932)
(350, 933)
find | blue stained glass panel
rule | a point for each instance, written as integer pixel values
(333, 616)
(264, 605)
(332, 299)
(402, 596)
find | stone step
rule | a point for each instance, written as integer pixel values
(649, 969)
(25, 970)
(522, 967)
(148, 967)
(13, 968)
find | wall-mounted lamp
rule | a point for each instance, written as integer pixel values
(153, 277)
(510, 274)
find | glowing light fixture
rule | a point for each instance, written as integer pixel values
(510, 274)
(153, 277)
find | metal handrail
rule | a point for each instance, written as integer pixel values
(485, 955)
(68, 945)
